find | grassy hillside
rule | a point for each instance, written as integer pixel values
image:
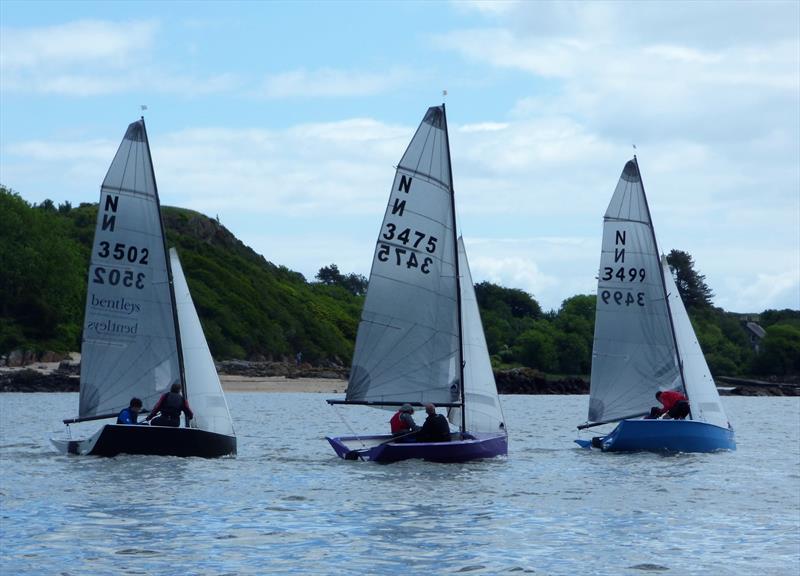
(251, 308)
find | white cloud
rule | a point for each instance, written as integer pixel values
(91, 58)
(112, 44)
(329, 82)
(490, 7)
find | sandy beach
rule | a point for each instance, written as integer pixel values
(232, 383)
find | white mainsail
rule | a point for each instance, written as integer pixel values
(203, 390)
(408, 339)
(634, 353)
(700, 386)
(482, 403)
(129, 344)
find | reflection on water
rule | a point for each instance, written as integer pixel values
(288, 505)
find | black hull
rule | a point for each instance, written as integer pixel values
(114, 439)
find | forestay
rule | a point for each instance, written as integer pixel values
(634, 351)
(203, 390)
(700, 386)
(407, 342)
(129, 344)
(482, 404)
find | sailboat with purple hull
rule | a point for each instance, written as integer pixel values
(644, 342)
(420, 339)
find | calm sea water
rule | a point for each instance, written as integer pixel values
(287, 505)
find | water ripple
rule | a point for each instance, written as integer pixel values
(288, 505)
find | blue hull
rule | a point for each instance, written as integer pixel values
(665, 436)
(464, 448)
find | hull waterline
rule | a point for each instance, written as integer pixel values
(664, 436)
(114, 439)
(381, 449)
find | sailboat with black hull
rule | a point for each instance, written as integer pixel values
(141, 331)
(645, 343)
(420, 338)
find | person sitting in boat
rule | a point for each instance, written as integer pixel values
(435, 428)
(131, 413)
(674, 405)
(167, 411)
(402, 422)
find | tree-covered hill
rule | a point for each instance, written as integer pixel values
(252, 308)
(249, 307)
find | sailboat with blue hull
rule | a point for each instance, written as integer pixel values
(141, 332)
(420, 338)
(644, 342)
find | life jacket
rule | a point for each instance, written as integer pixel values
(172, 405)
(669, 398)
(397, 424)
(126, 417)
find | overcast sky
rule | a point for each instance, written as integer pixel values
(286, 120)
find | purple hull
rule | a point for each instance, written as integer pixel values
(381, 449)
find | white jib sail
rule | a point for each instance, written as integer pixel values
(482, 403)
(129, 344)
(408, 335)
(203, 390)
(700, 387)
(634, 353)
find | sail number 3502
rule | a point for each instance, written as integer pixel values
(620, 298)
(116, 277)
(122, 252)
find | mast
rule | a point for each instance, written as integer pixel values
(458, 281)
(663, 283)
(169, 269)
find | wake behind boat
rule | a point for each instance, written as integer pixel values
(644, 341)
(420, 335)
(141, 331)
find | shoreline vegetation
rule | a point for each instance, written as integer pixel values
(62, 374)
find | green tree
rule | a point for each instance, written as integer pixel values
(330, 275)
(692, 287)
(536, 347)
(780, 351)
(507, 301)
(41, 296)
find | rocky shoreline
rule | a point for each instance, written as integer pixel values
(65, 377)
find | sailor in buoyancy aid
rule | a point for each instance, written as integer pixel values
(403, 422)
(167, 411)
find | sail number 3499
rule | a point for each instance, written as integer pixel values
(631, 274)
(620, 298)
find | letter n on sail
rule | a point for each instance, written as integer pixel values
(110, 220)
(399, 206)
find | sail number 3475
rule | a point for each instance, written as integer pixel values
(414, 240)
